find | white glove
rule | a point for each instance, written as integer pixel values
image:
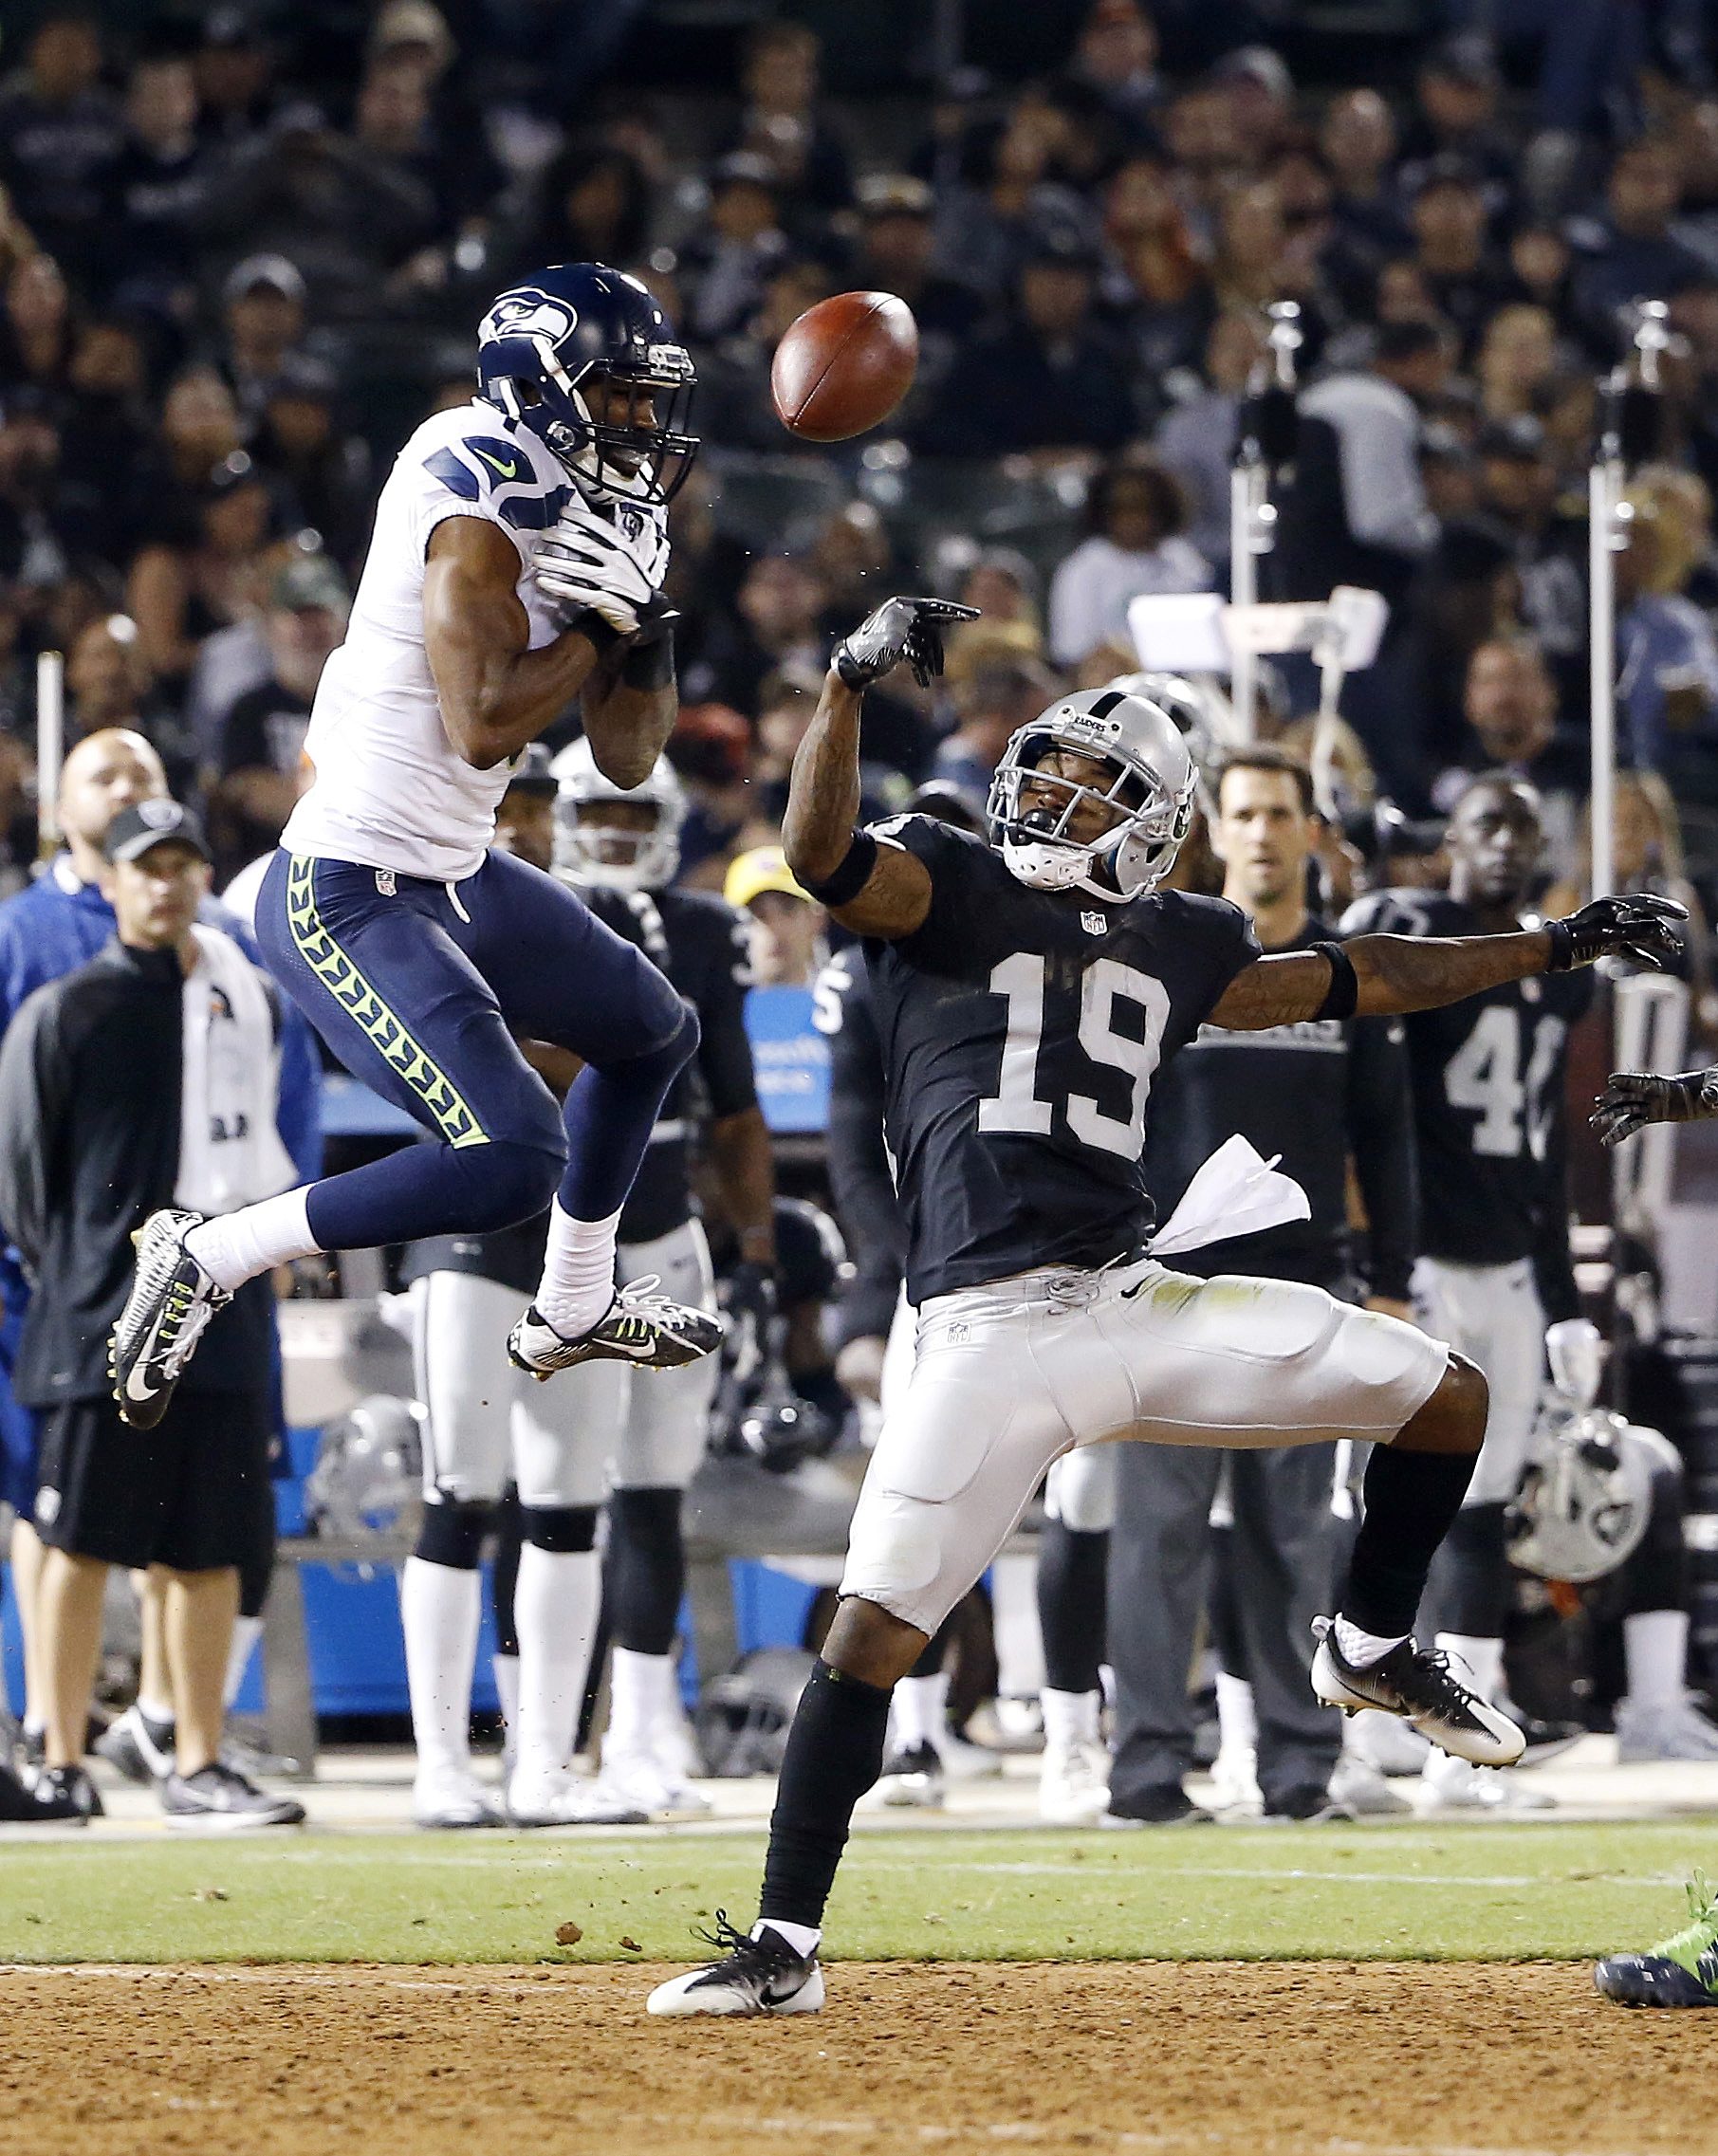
(584, 564)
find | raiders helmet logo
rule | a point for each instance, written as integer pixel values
(529, 313)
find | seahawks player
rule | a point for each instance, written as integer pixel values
(1488, 1082)
(1025, 992)
(516, 563)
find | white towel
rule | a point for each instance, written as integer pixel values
(1236, 1192)
(229, 1149)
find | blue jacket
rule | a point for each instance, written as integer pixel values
(59, 924)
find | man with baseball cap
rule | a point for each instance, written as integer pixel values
(147, 1076)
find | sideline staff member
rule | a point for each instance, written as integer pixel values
(148, 1078)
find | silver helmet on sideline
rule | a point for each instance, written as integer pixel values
(588, 849)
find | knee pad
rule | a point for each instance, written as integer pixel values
(505, 1181)
(451, 1534)
(563, 1530)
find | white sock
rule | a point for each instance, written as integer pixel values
(1018, 1638)
(802, 1938)
(1069, 1719)
(1483, 1657)
(555, 1612)
(578, 1281)
(507, 1689)
(1655, 1648)
(641, 1700)
(234, 1247)
(35, 1726)
(246, 1633)
(1357, 1647)
(440, 1607)
(921, 1711)
(158, 1711)
(1237, 1719)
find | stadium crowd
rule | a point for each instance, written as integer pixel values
(242, 254)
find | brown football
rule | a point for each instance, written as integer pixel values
(845, 365)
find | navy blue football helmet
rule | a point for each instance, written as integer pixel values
(546, 341)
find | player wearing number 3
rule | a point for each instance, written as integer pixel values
(1025, 991)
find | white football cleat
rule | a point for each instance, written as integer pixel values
(1235, 1794)
(646, 1782)
(1073, 1785)
(1456, 1785)
(761, 1975)
(1419, 1685)
(1667, 1729)
(560, 1799)
(449, 1797)
(1358, 1786)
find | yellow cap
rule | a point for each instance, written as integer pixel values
(765, 868)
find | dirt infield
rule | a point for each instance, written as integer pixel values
(1268, 2059)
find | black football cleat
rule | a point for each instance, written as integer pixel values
(648, 1330)
(1418, 1685)
(172, 1300)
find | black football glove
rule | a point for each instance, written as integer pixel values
(901, 629)
(1632, 1099)
(1641, 928)
(750, 1300)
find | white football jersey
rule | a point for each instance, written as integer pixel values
(390, 791)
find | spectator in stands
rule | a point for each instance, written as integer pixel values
(779, 607)
(325, 474)
(1005, 589)
(160, 186)
(262, 319)
(106, 412)
(1260, 94)
(1009, 193)
(262, 739)
(36, 336)
(1002, 693)
(1357, 142)
(109, 686)
(1517, 357)
(237, 95)
(1050, 379)
(1633, 255)
(1666, 654)
(782, 123)
(1155, 273)
(735, 406)
(592, 204)
(1198, 130)
(1196, 436)
(60, 137)
(897, 253)
(1136, 516)
(114, 1101)
(1451, 248)
(1457, 91)
(729, 262)
(213, 577)
(1115, 55)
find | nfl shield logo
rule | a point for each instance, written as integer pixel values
(1094, 923)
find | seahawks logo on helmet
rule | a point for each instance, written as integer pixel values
(529, 313)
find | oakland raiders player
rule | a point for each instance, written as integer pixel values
(1025, 992)
(596, 1433)
(516, 563)
(1488, 1080)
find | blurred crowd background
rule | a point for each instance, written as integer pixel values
(243, 252)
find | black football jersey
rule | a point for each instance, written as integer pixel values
(861, 1181)
(1488, 1077)
(700, 943)
(1311, 1093)
(1021, 1032)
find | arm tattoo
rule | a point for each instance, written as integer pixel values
(823, 802)
(1393, 973)
(1274, 992)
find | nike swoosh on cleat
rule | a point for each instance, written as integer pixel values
(143, 1392)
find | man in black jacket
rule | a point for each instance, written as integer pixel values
(1318, 1094)
(151, 1071)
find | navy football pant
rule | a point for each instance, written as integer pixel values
(419, 988)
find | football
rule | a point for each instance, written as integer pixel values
(844, 366)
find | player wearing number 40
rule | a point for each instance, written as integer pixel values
(1027, 988)
(1488, 1082)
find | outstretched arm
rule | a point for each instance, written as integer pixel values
(496, 694)
(892, 895)
(1405, 973)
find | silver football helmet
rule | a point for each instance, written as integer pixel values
(1150, 788)
(590, 851)
(1587, 1492)
(369, 1470)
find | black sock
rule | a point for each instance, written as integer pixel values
(646, 1571)
(835, 1751)
(1411, 1500)
(1472, 1596)
(1072, 1568)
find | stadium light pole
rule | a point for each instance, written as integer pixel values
(50, 748)
(1266, 441)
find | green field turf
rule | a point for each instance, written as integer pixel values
(1564, 1891)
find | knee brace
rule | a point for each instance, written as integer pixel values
(561, 1529)
(451, 1534)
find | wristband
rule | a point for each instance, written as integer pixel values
(1344, 991)
(1562, 948)
(650, 665)
(595, 631)
(848, 877)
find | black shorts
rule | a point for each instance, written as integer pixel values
(189, 1494)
